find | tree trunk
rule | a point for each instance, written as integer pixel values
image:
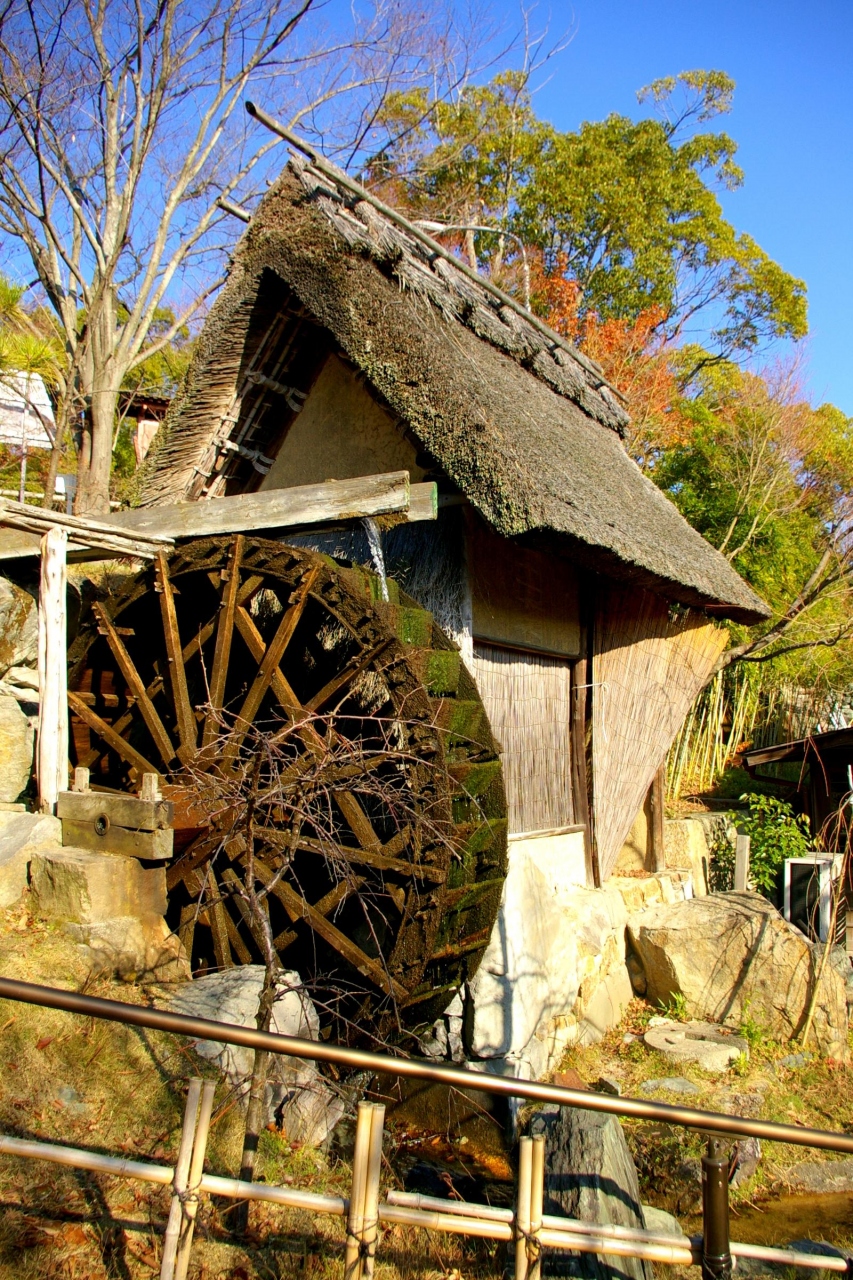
(96, 455)
(255, 1118)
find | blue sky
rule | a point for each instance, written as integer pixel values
(792, 119)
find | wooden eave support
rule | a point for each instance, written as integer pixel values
(146, 531)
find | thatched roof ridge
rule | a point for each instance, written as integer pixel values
(527, 430)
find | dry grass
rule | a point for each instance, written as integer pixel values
(818, 1095)
(114, 1089)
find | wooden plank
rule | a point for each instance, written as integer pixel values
(122, 810)
(135, 683)
(108, 734)
(275, 508)
(657, 797)
(52, 744)
(177, 674)
(298, 909)
(327, 503)
(154, 846)
(224, 634)
(88, 532)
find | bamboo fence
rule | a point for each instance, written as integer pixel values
(649, 666)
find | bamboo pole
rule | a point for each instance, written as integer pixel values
(537, 1196)
(52, 749)
(191, 1202)
(454, 1217)
(370, 1226)
(355, 1215)
(522, 1206)
(179, 1183)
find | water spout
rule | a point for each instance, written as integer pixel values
(377, 556)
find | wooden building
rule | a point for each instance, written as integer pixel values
(347, 343)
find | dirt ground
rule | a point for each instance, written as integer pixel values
(112, 1089)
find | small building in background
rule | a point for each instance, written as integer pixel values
(26, 412)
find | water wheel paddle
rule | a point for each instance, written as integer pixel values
(228, 638)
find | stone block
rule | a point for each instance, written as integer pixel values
(16, 748)
(699, 1042)
(552, 941)
(606, 1007)
(18, 627)
(136, 948)
(90, 888)
(21, 835)
(686, 848)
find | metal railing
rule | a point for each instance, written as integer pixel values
(526, 1225)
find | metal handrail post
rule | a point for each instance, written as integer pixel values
(716, 1247)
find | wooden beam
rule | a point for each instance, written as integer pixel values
(657, 832)
(175, 659)
(52, 746)
(136, 532)
(282, 508)
(81, 531)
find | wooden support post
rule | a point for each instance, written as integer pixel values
(52, 751)
(741, 863)
(355, 1214)
(179, 1182)
(371, 1191)
(191, 1202)
(81, 780)
(657, 797)
(522, 1206)
(537, 1199)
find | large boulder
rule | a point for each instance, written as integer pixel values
(732, 955)
(590, 1174)
(298, 1098)
(16, 749)
(18, 627)
(21, 837)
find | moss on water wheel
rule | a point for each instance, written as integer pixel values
(229, 638)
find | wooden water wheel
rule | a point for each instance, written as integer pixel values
(382, 896)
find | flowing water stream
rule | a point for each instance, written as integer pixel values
(377, 555)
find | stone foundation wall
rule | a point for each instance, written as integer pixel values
(554, 973)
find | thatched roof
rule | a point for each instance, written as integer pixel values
(526, 427)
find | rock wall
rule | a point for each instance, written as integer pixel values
(554, 973)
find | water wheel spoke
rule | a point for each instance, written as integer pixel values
(108, 734)
(175, 661)
(186, 926)
(298, 909)
(351, 671)
(224, 634)
(326, 906)
(269, 657)
(135, 684)
(223, 928)
(367, 858)
(356, 819)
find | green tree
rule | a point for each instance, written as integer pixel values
(626, 209)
